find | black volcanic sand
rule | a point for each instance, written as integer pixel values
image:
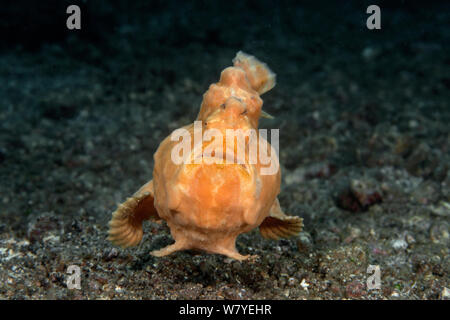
(364, 146)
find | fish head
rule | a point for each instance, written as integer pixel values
(233, 85)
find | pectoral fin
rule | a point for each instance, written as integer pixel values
(266, 115)
(279, 225)
(125, 227)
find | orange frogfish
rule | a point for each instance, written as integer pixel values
(207, 188)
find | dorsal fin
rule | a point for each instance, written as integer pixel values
(261, 78)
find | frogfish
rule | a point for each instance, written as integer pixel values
(206, 200)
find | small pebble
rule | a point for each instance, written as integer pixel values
(445, 294)
(399, 244)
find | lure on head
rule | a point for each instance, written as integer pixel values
(245, 82)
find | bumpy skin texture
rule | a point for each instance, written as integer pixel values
(206, 205)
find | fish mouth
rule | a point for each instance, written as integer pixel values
(226, 159)
(219, 157)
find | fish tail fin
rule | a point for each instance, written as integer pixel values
(261, 78)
